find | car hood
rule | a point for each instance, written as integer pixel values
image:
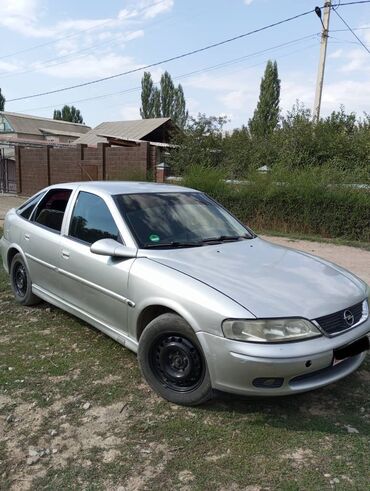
(267, 279)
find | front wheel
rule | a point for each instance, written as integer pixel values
(172, 361)
(21, 283)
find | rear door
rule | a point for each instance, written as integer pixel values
(97, 285)
(41, 236)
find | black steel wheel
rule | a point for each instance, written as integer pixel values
(21, 283)
(172, 361)
(19, 278)
(177, 362)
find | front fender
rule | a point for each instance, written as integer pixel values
(204, 308)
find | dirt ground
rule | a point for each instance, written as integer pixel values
(355, 260)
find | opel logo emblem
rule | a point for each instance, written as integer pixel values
(348, 317)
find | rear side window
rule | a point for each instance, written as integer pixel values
(50, 211)
(91, 220)
(27, 208)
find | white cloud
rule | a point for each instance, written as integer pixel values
(336, 54)
(92, 66)
(350, 93)
(155, 9)
(129, 112)
(7, 67)
(356, 59)
(248, 2)
(24, 16)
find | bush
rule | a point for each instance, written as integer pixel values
(311, 201)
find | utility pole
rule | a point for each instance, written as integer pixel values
(323, 47)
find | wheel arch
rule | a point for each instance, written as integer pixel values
(150, 313)
(12, 251)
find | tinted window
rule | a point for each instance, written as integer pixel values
(162, 218)
(27, 208)
(92, 220)
(50, 211)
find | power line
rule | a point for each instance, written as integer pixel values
(74, 34)
(353, 28)
(167, 60)
(185, 75)
(50, 62)
(344, 4)
(352, 31)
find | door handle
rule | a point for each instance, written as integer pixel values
(65, 254)
(27, 236)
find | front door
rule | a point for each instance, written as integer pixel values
(97, 285)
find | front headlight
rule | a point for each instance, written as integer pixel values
(269, 330)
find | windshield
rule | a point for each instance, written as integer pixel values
(178, 220)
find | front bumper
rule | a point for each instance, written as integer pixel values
(234, 366)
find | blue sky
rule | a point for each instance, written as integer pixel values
(86, 40)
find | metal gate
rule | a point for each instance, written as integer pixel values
(8, 183)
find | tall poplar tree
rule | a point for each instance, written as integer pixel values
(180, 113)
(146, 110)
(156, 98)
(266, 116)
(168, 101)
(167, 95)
(2, 102)
(68, 113)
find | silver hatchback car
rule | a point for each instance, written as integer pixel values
(206, 304)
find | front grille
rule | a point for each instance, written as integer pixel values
(336, 323)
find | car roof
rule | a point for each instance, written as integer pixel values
(124, 187)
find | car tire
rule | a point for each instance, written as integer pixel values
(172, 362)
(21, 283)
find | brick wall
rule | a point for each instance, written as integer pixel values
(39, 167)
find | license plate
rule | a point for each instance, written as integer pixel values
(352, 349)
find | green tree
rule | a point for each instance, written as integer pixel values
(180, 113)
(2, 102)
(168, 101)
(200, 144)
(167, 95)
(156, 103)
(266, 116)
(68, 113)
(146, 110)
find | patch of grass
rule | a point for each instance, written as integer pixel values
(130, 437)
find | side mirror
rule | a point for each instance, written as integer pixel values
(112, 248)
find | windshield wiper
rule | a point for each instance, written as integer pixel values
(224, 238)
(174, 244)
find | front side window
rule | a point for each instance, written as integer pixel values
(91, 220)
(50, 211)
(178, 219)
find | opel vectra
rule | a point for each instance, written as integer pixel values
(205, 303)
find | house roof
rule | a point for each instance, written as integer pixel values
(34, 125)
(132, 141)
(125, 130)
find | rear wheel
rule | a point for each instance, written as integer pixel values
(172, 361)
(21, 282)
